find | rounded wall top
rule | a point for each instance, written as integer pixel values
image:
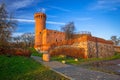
(39, 14)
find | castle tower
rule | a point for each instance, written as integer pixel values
(40, 25)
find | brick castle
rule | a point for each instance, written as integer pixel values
(46, 40)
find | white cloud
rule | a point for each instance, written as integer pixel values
(17, 34)
(21, 3)
(106, 5)
(57, 23)
(59, 8)
(32, 21)
(43, 10)
(25, 20)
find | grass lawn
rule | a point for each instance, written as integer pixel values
(70, 60)
(22, 68)
(35, 53)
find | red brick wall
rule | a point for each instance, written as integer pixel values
(52, 36)
(117, 48)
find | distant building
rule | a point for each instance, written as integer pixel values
(46, 40)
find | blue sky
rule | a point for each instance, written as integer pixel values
(100, 17)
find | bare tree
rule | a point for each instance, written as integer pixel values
(69, 30)
(7, 25)
(28, 39)
(17, 42)
(116, 40)
(24, 41)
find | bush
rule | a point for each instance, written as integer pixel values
(68, 51)
(22, 52)
(15, 51)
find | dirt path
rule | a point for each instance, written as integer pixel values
(77, 73)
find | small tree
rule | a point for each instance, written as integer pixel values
(69, 30)
(28, 39)
(115, 40)
(17, 42)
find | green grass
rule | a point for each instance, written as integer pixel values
(22, 68)
(70, 60)
(34, 52)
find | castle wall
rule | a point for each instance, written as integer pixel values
(98, 49)
(83, 45)
(52, 36)
(93, 46)
(117, 48)
(49, 39)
